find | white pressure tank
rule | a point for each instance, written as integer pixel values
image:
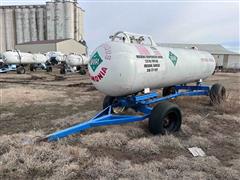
(131, 62)
(77, 60)
(39, 58)
(17, 57)
(60, 57)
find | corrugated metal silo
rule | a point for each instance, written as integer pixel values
(26, 28)
(40, 23)
(81, 23)
(50, 12)
(80, 15)
(19, 25)
(33, 24)
(59, 20)
(2, 32)
(9, 28)
(69, 19)
(76, 23)
(45, 23)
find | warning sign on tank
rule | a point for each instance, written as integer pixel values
(95, 61)
(173, 58)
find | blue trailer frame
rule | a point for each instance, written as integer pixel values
(7, 68)
(140, 103)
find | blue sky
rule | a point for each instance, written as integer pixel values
(173, 22)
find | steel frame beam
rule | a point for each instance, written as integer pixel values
(8, 68)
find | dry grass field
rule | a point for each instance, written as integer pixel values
(33, 105)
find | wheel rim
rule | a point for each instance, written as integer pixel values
(117, 110)
(169, 122)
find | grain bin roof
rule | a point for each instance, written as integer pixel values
(22, 6)
(212, 48)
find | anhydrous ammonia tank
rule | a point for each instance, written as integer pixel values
(60, 57)
(125, 65)
(76, 60)
(16, 57)
(39, 58)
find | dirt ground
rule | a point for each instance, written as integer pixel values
(33, 105)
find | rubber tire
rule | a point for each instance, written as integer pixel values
(168, 91)
(31, 67)
(217, 94)
(62, 71)
(49, 69)
(157, 118)
(21, 70)
(107, 101)
(82, 72)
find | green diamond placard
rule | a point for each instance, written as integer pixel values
(173, 58)
(95, 61)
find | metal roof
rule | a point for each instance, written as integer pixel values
(22, 6)
(44, 41)
(212, 48)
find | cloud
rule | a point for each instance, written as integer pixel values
(211, 22)
(166, 22)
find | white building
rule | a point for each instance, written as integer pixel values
(224, 58)
(65, 46)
